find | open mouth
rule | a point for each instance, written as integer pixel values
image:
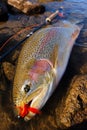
(29, 103)
(28, 107)
(34, 94)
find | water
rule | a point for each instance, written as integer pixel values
(75, 12)
(74, 7)
(77, 1)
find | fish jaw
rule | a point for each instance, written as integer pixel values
(40, 81)
(39, 101)
(31, 104)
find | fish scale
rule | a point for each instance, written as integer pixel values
(30, 50)
(53, 46)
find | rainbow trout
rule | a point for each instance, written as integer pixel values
(41, 65)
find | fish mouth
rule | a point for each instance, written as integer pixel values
(26, 107)
(29, 103)
(31, 97)
(35, 101)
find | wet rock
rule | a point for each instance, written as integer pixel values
(5, 121)
(3, 12)
(15, 55)
(83, 69)
(46, 122)
(26, 6)
(5, 124)
(36, 9)
(73, 107)
(2, 85)
(20, 4)
(9, 70)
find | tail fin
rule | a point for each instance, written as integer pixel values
(80, 24)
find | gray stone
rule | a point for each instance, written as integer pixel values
(26, 6)
(9, 70)
(73, 107)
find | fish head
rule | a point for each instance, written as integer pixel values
(35, 90)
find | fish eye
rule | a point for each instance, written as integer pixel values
(27, 88)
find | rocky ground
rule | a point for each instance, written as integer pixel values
(67, 107)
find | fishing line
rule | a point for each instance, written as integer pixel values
(22, 41)
(15, 35)
(47, 21)
(36, 27)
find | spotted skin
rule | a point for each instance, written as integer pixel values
(53, 46)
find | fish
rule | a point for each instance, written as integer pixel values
(41, 65)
